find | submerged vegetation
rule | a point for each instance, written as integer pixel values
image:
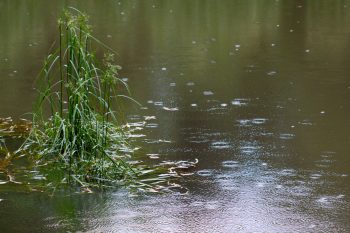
(74, 125)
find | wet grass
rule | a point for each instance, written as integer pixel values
(75, 129)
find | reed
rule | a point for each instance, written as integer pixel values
(74, 125)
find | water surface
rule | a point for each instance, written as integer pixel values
(258, 91)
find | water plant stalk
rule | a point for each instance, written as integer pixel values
(79, 134)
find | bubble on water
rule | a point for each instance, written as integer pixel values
(237, 46)
(278, 25)
(125, 79)
(163, 69)
(212, 61)
(158, 103)
(322, 112)
(307, 50)
(122, 13)
(190, 84)
(194, 105)
(172, 84)
(291, 30)
(150, 101)
(264, 164)
(194, 42)
(223, 105)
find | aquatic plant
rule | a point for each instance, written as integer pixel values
(75, 128)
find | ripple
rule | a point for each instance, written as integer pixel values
(205, 172)
(286, 136)
(220, 145)
(230, 163)
(207, 93)
(259, 121)
(152, 125)
(315, 176)
(240, 102)
(248, 149)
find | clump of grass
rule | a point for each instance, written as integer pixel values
(74, 125)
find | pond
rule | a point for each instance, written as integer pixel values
(257, 91)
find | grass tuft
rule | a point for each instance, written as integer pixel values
(74, 125)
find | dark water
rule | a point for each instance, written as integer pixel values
(258, 91)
